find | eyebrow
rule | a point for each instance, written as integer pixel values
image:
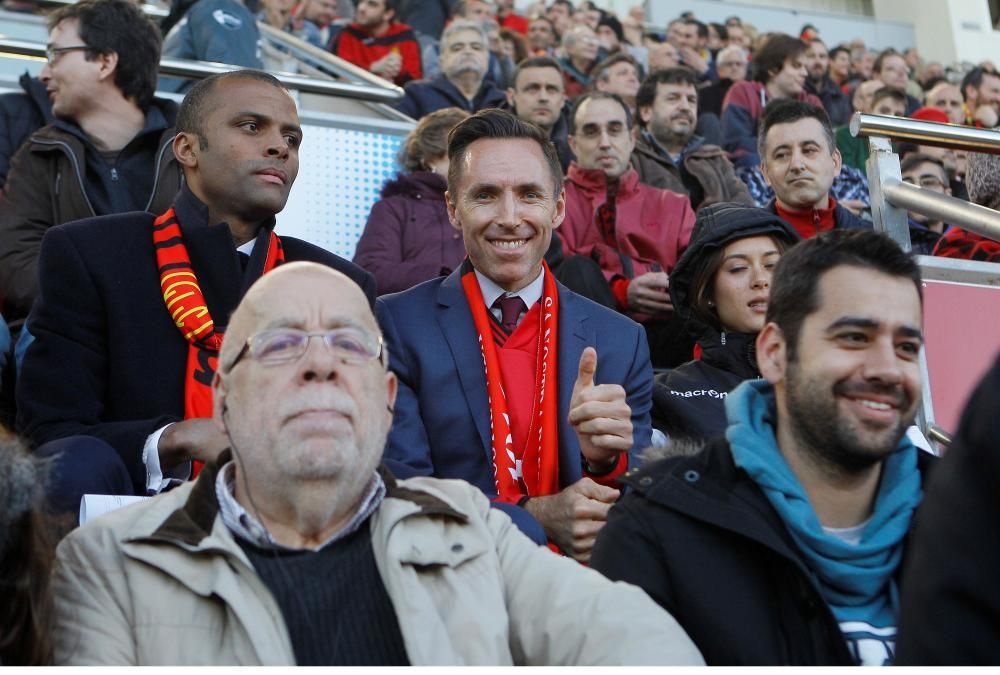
(259, 117)
(299, 324)
(747, 257)
(872, 324)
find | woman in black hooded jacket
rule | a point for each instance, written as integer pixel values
(719, 289)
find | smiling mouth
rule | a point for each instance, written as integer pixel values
(508, 244)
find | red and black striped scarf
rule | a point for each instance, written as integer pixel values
(189, 311)
(539, 459)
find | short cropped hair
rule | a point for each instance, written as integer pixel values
(894, 93)
(598, 96)
(535, 62)
(837, 50)
(882, 56)
(974, 78)
(459, 25)
(772, 56)
(915, 159)
(195, 105)
(602, 68)
(982, 179)
(788, 111)
(795, 285)
(119, 27)
(495, 123)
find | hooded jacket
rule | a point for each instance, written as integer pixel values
(408, 238)
(689, 401)
(705, 174)
(20, 116)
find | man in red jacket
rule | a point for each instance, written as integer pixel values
(634, 233)
(377, 42)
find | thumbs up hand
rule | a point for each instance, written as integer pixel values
(600, 415)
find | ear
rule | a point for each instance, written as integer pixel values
(452, 216)
(772, 357)
(108, 64)
(571, 140)
(219, 402)
(510, 96)
(186, 147)
(560, 212)
(391, 389)
(763, 172)
(646, 114)
(838, 161)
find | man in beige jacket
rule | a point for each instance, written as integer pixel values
(295, 548)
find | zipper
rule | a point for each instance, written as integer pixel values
(114, 174)
(156, 174)
(76, 167)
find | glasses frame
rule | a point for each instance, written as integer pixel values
(379, 352)
(52, 54)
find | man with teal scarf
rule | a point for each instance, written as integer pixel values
(782, 542)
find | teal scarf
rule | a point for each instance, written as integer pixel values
(856, 581)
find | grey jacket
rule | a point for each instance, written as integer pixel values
(164, 582)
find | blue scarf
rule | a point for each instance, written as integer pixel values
(856, 581)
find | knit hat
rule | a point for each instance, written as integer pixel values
(929, 114)
(614, 24)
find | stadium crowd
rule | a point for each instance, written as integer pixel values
(620, 372)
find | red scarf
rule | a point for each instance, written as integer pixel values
(539, 471)
(189, 311)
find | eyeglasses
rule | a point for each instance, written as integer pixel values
(929, 182)
(350, 345)
(52, 54)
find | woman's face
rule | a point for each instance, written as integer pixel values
(743, 283)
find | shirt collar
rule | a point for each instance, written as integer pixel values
(245, 525)
(247, 247)
(529, 294)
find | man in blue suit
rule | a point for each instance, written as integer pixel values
(507, 379)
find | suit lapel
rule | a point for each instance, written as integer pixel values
(459, 331)
(575, 333)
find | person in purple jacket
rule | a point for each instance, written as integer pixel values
(408, 238)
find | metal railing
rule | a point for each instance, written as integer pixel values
(201, 69)
(892, 198)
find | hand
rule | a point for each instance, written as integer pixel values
(855, 206)
(692, 59)
(987, 116)
(388, 66)
(648, 294)
(599, 414)
(572, 518)
(197, 438)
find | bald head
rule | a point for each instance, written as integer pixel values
(275, 298)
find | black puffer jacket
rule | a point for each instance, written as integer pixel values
(689, 401)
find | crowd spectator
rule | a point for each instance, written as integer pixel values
(224, 31)
(538, 96)
(462, 83)
(929, 173)
(21, 114)
(507, 18)
(428, 19)
(619, 74)
(377, 42)
(560, 15)
(541, 37)
(635, 232)
(294, 548)
(982, 178)
(840, 66)
(803, 507)
(731, 66)
(800, 161)
(108, 150)
(582, 50)
(819, 84)
(27, 543)
(947, 97)
(662, 55)
(470, 352)
(868, 97)
(611, 35)
(314, 22)
(515, 46)
(719, 290)
(683, 35)
(981, 89)
(862, 63)
(103, 329)
(779, 73)
(891, 69)
(948, 609)
(669, 154)
(408, 238)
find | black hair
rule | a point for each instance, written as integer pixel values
(894, 93)
(495, 123)
(720, 30)
(119, 27)
(195, 106)
(795, 284)
(598, 96)
(974, 79)
(882, 56)
(788, 111)
(836, 50)
(915, 159)
(647, 90)
(772, 56)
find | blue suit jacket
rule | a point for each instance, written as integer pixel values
(442, 416)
